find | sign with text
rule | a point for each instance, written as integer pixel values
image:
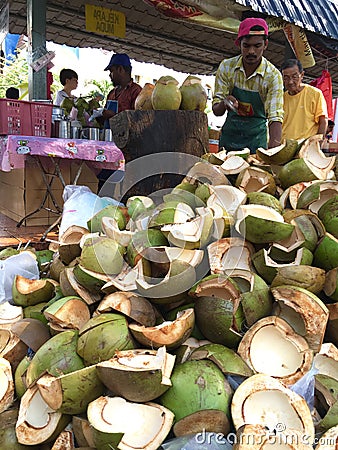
(105, 21)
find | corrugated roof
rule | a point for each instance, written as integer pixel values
(153, 37)
(318, 16)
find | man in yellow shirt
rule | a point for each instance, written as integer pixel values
(305, 109)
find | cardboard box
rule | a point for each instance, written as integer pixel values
(333, 147)
(22, 190)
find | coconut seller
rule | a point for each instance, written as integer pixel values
(305, 109)
(250, 89)
(125, 92)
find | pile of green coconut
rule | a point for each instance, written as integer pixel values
(214, 310)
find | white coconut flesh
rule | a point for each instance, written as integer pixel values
(272, 151)
(292, 317)
(5, 339)
(272, 263)
(4, 382)
(260, 211)
(38, 412)
(269, 408)
(146, 201)
(190, 231)
(234, 164)
(325, 195)
(193, 257)
(10, 313)
(205, 172)
(111, 230)
(295, 240)
(326, 366)
(313, 154)
(236, 257)
(272, 353)
(254, 181)
(125, 280)
(183, 213)
(229, 198)
(142, 424)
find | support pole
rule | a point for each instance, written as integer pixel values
(36, 30)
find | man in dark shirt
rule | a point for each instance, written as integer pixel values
(125, 89)
(125, 92)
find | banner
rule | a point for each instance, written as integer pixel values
(298, 41)
(226, 15)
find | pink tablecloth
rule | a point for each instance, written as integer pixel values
(101, 154)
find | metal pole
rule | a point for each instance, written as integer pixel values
(36, 30)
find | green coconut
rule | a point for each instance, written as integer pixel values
(94, 223)
(137, 375)
(328, 213)
(92, 281)
(36, 312)
(262, 224)
(56, 356)
(139, 204)
(219, 314)
(27, 292)
(309, 195)
(166, 94)
(102, 336)
(294, 172)
(8, 439)
(331, 284)
(282, 154)
(227, 360)
(263, 198)
(326, 253)
(197, 386)
(143, 100)
(7, 252)
(141, 240)
(71, 393)
(20, 376)
(194, 96)
(101, 255)
(306, 277)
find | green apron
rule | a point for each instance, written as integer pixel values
(249, 127)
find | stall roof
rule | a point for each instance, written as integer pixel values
(318, 16)
(153, 37)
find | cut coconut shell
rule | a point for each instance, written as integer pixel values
(37, 423)
(68, 312)
(120, 424)
(227, 360)
(205, 172)
(326, 361)
(229, 198)
(6, 385)
(83, 432)
(306, 277)
(171, 334)
(329, 440)
(92, 281)
(326, 253)
(56, 356)
(71, 393)
(280, 154)
(71, 288)
(304, 311)
(9, 314)
(209, 420)
(261, 224)
(102, 255)
(228, 254)
(219, 315)
(131, 305)
(69, 247)
(254, 179)
(263, 400)
(137, 375)
(27, 292)
(102, 335)
(32, 332)
(273, 348)
(12, 348)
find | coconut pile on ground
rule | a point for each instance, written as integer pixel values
(215, 310)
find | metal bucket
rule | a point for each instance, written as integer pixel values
(91, 133)
(61, 129)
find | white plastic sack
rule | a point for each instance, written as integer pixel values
(24, 264)
(80, 204)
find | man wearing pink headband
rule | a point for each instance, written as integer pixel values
(250, 89)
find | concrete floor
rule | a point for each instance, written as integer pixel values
(13, 236)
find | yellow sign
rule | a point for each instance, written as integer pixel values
(105, 21)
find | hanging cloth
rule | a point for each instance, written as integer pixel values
(324, 83)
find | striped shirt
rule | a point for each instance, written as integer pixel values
(266, 80)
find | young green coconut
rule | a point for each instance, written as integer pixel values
(137, 375)
(119, 424)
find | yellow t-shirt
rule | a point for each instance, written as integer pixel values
(302, 112)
